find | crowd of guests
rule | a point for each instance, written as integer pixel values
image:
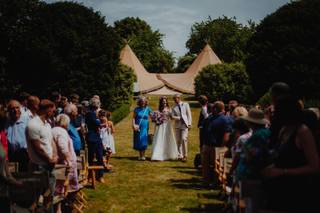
(38, 134)
(274, 150)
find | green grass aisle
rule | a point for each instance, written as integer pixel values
(136, 186)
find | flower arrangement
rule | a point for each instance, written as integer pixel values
(158, 118)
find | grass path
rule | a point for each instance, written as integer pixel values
(136, 186)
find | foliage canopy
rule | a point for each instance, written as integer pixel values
(62, 46)
(286, 47)
(224, 82)
(146, 43)
(227, 38)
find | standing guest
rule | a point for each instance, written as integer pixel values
(72, 111)
(203, 100)
(112, 130)
(295, 163)
(56, 99)
(231, 106)
(41, 147)
(33, 106)
(181, 113)
(95, 147)
(105, 137)
(254, 156)
(140, 125)
(16, 135)
(3, 134)
(23, 97)
(74, 98)
(66, 155)
(98, 98)
(217, 131)
(277, 90)
(64, 102)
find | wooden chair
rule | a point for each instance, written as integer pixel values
(226, 175)
(13, 167)
(217, 164)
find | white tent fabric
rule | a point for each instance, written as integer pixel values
(184, 82)
(146, 82)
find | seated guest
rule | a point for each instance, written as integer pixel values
(72, 111)
(16, 135)
(66, 154)
(41, 147)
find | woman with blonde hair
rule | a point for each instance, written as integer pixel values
(140, 125)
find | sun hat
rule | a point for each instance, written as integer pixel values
(255, 116)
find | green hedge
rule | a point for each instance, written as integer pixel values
(120, 113)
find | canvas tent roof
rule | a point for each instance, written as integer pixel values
(164, 91)
(184, 82)
(147, 82)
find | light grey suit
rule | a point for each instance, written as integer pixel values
(183, 121)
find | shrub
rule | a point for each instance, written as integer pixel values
(224, 82)
(120, 113)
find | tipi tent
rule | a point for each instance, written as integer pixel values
(146, 82)
(184, 82)
(167, 84)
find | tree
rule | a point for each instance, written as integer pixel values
(146, 43)
(286, 47)
(184, 63)
(224, 82)
(227, 38)
(67, 47)
(14, 17)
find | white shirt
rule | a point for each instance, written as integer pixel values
(38, 130)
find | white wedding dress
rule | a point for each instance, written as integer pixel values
(164, 142)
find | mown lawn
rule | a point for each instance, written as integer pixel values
(136, 186)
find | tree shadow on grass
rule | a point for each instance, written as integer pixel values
(191, 172)
(203, 208)
(193, 183)
(125, 158)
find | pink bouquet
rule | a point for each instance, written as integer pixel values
(158, 118)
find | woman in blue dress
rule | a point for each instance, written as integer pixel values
(140, 124)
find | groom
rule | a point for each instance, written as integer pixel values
(182, 115)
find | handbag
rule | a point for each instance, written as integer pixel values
(150, 139)
(144, 112)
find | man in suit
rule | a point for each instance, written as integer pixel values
(181, 113)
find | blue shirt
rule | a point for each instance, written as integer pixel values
(93, 124)
(16, 134)
(74, 135)
(216, 126)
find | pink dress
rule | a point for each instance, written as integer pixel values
(65, 147)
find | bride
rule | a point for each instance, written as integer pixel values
(164, 142)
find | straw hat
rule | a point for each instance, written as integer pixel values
(255, 116)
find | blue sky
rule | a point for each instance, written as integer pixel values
(174, 18)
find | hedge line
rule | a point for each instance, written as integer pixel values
(120, 113)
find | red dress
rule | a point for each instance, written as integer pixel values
(4, 142)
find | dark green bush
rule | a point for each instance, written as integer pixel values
(120, 113)
(224, 82)
(286, 47)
